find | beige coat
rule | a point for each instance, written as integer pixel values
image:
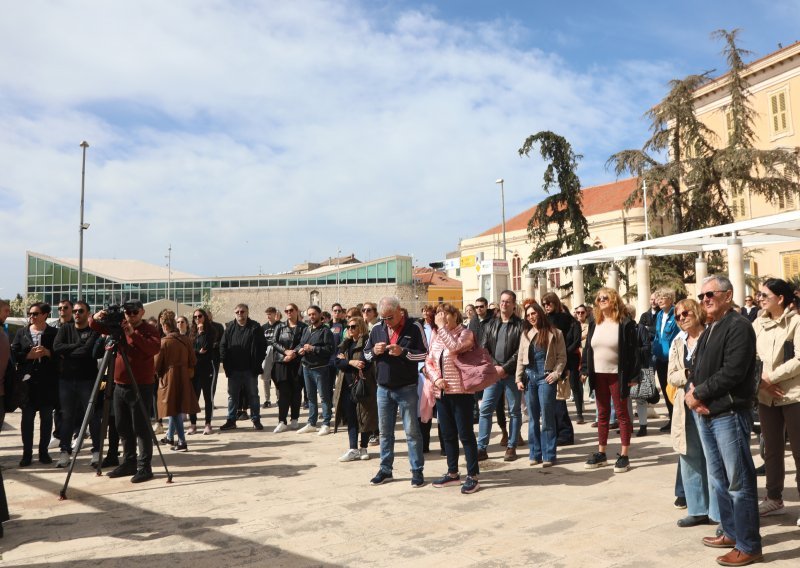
(676, 376)
(771, 335)
(554, 361)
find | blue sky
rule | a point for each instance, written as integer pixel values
(257, 135)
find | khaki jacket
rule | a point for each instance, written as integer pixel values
(676, 376)
(772, 335)
(554, 361)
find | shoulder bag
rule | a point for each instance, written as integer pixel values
(476, 368)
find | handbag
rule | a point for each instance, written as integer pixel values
(476, 368)
(359, 391)
(645, 390)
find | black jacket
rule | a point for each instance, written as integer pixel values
(478, 326)
(396, 371)
(243, 348)
(571, 330)
(724, 365)
(323, 344)
(43, 384)
(629, 362)
(507, 360)
(286, 337)
(76, 349)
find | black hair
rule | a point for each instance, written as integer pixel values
(782, 288)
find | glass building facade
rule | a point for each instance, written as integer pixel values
(52, 280)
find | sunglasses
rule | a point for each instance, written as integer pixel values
(581, 312)
(62, 308)
(762, 296)
(365, 310)
(602, 298)
(80, 311)
(709, 294)
(480, 307)
(132, 312)
(290, 310)
(34, 314)
(682, 315)
(352, 327)
(198, 316)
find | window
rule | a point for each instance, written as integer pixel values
(729, 124)
(554, 278)
(779, 111)
(516, 268)
(738, 202)
(791, 265)
(786, 201)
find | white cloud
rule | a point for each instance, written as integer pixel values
(255, 135)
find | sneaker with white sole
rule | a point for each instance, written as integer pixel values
(54, 443)
(769, 507)
(281, 427)
(363, 454)
(307, 429)
(349, 455)
(63, 459)
(293, 425)
(324, 430)
(95, 459)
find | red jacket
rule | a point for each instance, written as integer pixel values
(141, 346)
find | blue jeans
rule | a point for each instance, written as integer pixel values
(406, 400)
(454, 412)
(238, 380)
(488, 406)
(74, 396)
(733, 476)
(318, 379)
(700, 498)
(176, 427)
(541, 399)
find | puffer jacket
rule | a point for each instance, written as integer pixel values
(778, 347)
(445, 344)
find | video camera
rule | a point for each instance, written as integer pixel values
(116, 313)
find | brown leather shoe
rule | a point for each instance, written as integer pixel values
(482, 455)
(738, 558)
(719, 541)
(504, 439)
(511, 455)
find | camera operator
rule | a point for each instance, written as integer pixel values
(141, 342)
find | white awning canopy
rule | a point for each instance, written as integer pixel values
(753, 233)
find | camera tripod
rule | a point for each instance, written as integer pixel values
(113, 346)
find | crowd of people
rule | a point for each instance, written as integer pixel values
(717, 367)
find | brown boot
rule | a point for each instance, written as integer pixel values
(504, 439)
(511, 455)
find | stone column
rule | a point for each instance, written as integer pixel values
(578, 292)
(736, 269)
(530, 285)
(700, 272)
(613, 278)
(542, 285)
(642, 284)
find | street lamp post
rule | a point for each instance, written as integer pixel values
(338, 258)
(503, 213)
(83, 225)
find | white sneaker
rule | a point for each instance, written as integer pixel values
(281, 427)
(293, 425)
(324, 430)
(95, 459)
(363, 454)
(798, 521)
(307, 429)
(769, 507)
(349, 455)
(54, 443)
(63, 459)
(74, 443)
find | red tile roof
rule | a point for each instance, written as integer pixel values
(597, 199)
(435, 278)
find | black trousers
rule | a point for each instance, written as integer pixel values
(575, 383)
(565, 434)
(132, 425)
(288, 383)
(202, 385)
(661, 371)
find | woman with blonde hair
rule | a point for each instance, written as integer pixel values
(175, 368)
(611, 363)
(701, 503)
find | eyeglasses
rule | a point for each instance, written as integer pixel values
(530, 314)
(602, 298)
(240, 312)
(34, 314)
(198, 316)
(763, 296)
(580, 312)
(709, 294)
(132, 312)
(352, 327)
(80, 311)
(682, 315)
(389, 318)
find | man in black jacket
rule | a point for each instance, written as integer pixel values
(397, 346)
(242, 352)
(501, 339)
(75, 343)
(317, 344)
(720, 393)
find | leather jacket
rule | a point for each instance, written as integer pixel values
(286, 337)
(507, 360)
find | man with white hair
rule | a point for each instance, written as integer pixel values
(397, 346)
